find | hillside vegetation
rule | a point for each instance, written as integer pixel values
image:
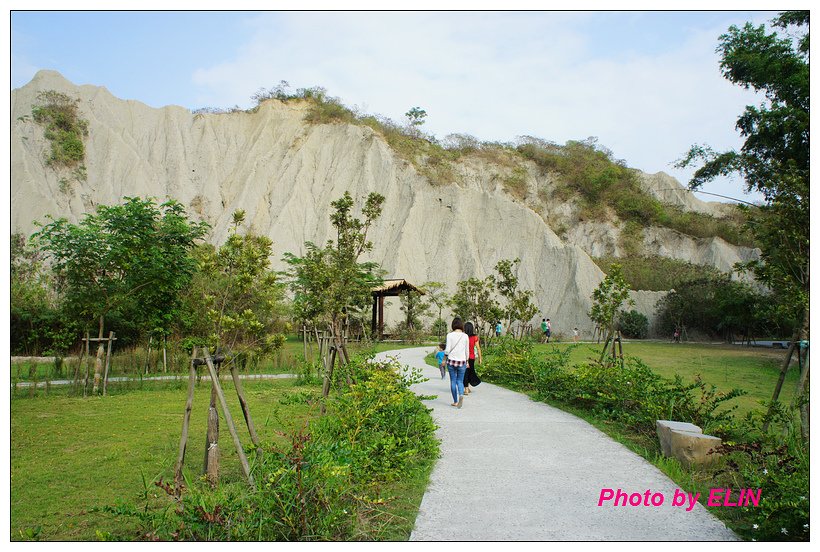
(587, 174)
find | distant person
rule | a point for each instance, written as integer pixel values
(498, 329)
(440, 359)
(548, 331)
(471, 378)
(544, 329)
(457, 351)
(676, 335)
(575, 334)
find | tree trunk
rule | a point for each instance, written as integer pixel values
(328, 379)
(783, 369)
(606, 346)
(212, 441)
(164, 356)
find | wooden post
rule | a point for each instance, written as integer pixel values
(381, 317)
(228, 420)
(245, 411)
(107, 362)
(80, 362)
(186, 419)
(148, 357)
(373, 322)
(304, 342)
(87, 367)
(164, 356)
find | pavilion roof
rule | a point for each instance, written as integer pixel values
(394, 286)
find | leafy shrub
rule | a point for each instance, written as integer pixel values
(64, 129)
(634, 324)
(777, 463)
(656, 273)
(325, 483)
(516, 183)
(631, 393)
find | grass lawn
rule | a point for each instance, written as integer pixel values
(753, 369)
(70, 455)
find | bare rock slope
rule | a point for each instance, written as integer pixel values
(284, 173)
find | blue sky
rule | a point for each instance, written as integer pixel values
(646, 84)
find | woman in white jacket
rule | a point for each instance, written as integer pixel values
(457, 351)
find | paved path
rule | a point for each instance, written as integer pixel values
(515, 469)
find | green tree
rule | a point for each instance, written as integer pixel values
(633, 324)
(236, 301)
(122, 256)
(607, 299)
(414, 305)
(38, 324)
(328, 282)
(775, 155)
(519, 307)
(474, 300)
(438, 298)
(416, 117)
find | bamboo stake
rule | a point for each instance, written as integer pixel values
(228, 419)
(245, 410)
(107, 362)
(148, 356)
(186, 420)
(87, 367)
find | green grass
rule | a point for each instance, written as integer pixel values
(752, 369)
(70, 456)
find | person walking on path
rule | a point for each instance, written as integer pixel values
(471, 379)
(548, 330)
(498, 329)
(544, 328)
(440, 356)
(456, 349)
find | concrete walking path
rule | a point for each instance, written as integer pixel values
(515, 469)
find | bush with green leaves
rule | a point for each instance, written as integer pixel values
(64, 129)
(633, 324)
(325, 483)
(631, 393)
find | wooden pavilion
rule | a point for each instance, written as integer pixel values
(390, 288)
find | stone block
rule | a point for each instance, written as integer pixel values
(664, 430)
(692, 448)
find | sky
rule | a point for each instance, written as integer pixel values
(647, 85)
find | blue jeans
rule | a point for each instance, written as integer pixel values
(456, 380)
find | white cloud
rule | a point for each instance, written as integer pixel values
(496, 76)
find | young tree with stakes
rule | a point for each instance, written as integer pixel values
(135, 253)
(327, 281)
